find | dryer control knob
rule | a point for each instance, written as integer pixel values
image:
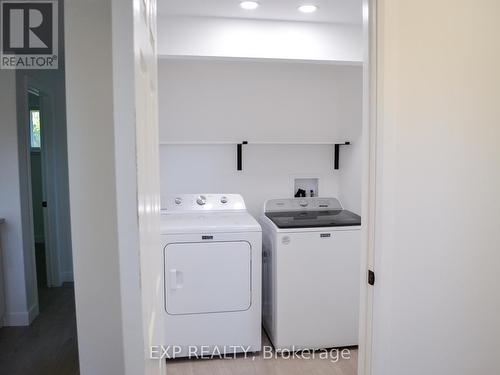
(303, 203)
(178, 200)
(223, 200)
(201, 200)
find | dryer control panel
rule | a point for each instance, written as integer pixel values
(203, 202)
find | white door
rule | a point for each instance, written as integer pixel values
(49, 192)
(207, 277)
(437, 249)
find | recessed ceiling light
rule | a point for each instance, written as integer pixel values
(308, 8)
(249, 5)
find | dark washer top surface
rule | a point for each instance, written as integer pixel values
(314, 219)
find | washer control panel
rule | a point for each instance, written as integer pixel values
(203, 202)
(302, 204)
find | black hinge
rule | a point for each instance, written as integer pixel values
(371, 277)
(44, 204)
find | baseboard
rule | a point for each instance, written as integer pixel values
(67, 276)
(33, 312)
(16, 319)
(22, 318)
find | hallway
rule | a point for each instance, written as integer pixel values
(49, 345)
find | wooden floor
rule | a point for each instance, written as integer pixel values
(49, 345)
(261, 366)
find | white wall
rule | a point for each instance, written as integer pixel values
(350, 173)
(204, 100)
(25, 200)
(226, 37)
(268, 170)
(91, 162)
(437, 304)
(112, 144)
(10, 206)
(262, 101)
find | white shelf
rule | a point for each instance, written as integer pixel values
(240, 145)
(261, 59)
(250, 143)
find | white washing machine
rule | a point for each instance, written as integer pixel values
(311, 273)
(212, 266)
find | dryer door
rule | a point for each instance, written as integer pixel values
(207, 277)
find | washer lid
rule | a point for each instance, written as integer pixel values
(208, 222)
(314, 219)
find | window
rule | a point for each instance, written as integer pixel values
(35, 128)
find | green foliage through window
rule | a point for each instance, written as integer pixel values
(35, 128)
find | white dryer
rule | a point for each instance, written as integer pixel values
(311, 271)
(212, 275)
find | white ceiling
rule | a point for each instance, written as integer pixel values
(336, 11)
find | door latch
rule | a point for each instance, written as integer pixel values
(371, 277)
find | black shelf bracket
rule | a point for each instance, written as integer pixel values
(336, 155)
(239, 155)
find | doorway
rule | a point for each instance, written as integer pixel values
(291, 138)
(46, 341)
(49, 335)
(38, 200)
(40, 172)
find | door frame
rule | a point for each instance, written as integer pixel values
(369, 191)
(48, 177)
